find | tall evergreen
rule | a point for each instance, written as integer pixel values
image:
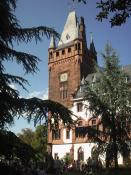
(110, 98)
(11, 105)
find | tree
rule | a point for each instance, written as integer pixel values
(117, 11)
(40, 141)
(109, 98)
(27, 136)
(36, 139)
(11, 105)
(11, 147)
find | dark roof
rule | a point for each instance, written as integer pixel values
(95, 76)
(80, 92)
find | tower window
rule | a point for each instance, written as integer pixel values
(67, 134)
(75, 46)
(56, 134)
(57, 54)
(50, 54)
(63, 91)
(63, 94)
(63, 52)
(79, 46)
(69, 50)
(79, 107)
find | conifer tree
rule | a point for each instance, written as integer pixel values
(11, 105)
(109, 98)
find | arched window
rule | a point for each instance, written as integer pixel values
(80, 154)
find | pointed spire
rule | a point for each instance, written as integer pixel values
(92, 46)
(69, 32)
(52, 43)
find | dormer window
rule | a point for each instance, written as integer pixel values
(79, 107)
(67, 36)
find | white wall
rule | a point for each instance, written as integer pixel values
(85, 114)
(86, 148)
(61, 150)
(65, 148)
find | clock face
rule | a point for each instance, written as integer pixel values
(63, 77)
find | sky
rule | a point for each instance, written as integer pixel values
(53, 13)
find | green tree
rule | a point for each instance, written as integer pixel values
(36, 139)
(40, 141)
(11, 105)
(27, 136)
(12, 147)
(117, 11)
(110, 98)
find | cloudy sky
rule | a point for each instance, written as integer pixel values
(53, 13)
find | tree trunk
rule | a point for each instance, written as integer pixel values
(115, 153)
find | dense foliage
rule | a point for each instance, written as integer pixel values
(36, 139)
(12, 148)
(110, 99)
(11, 105)
(117, 11)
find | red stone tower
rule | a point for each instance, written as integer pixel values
(69, 62)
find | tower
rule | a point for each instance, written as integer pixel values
(69, 61)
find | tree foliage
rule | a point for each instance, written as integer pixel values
(36, 139)
(11, 105)
(11, 147)
(117, 11)
(110, 99)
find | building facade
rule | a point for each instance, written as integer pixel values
(70, 62)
